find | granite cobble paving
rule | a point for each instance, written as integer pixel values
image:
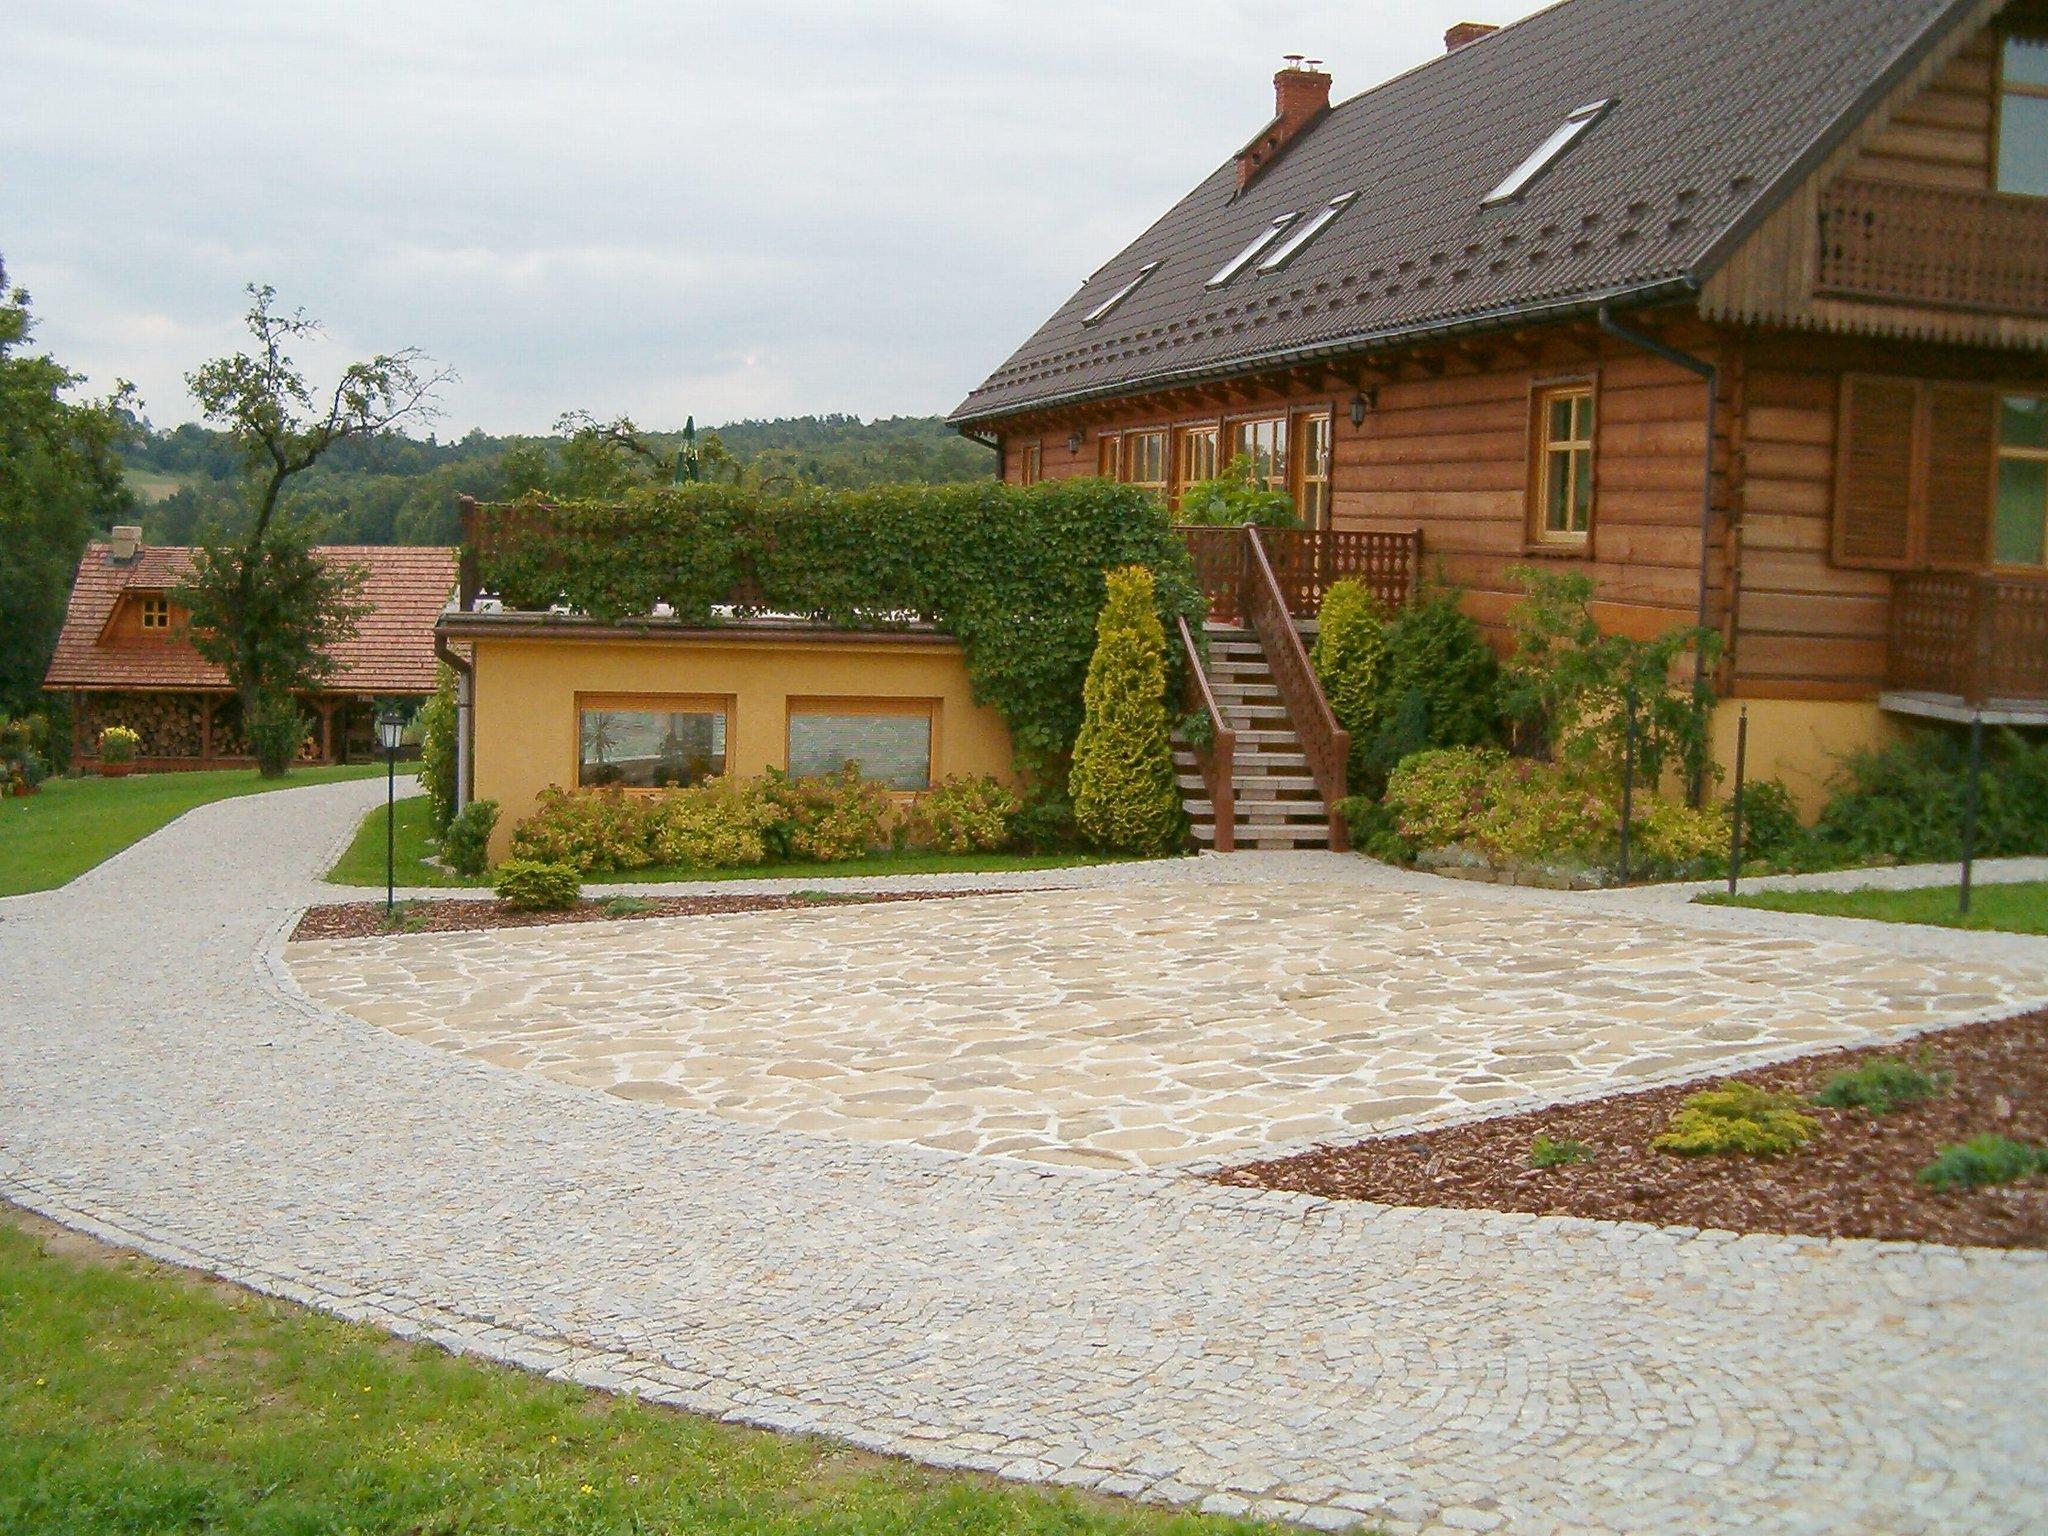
(163, 1083)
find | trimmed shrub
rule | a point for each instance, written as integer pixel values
(1905, 802)
(1883, 1084)
(589, 829)
(1671, 838)
(1982, 1161)
(1045, 821)
(1125, 797)
(1374, 830)
(118, 744)
(1437, 797)
(718, 824)
(833, 817)
(1738, 1117)
(437, 748)
(963, 815)
(466, 842)
(276, 731)
(1350, 656)
(538, 885)
(1534, 811)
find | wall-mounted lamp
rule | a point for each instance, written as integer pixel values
(1365, 400)
(1074, 441)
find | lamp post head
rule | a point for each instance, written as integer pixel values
(390, 730)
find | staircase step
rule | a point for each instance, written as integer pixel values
(1294, 836)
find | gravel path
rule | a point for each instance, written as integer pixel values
(163, 1084)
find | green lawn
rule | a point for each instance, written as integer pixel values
(2021, 907)
(137, 1399)
(73, 824)
(363, 862)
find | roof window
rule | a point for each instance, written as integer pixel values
(1301, 237)
(1562, 138)
(1251, 253)
(1101, 311)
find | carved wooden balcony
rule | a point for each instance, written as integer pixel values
(1986, 252)
(1978, 638)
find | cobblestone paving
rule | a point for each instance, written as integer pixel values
(1144, 1025)
(163, 1084)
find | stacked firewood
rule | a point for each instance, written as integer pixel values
(168, 723)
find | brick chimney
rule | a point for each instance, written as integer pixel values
(1301, 95)
(1466, 32)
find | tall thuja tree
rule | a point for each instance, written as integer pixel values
(60, 480)
(1126, 799)
(265, 606)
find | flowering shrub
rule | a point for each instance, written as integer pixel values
(1535, 811)
(963, 815)
(836, 816)
(588, 829)
(1437, 797)
(118, 744)
(534, 885)
(718, 824)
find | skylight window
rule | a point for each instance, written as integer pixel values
(1301, 237)
(1252, 252)
(1562, 138)
(1101, 311)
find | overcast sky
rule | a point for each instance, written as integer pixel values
(757, 208)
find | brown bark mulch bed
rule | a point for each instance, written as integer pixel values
(366, 919)
(1854, 1179)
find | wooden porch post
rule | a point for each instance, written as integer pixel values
(205, 727)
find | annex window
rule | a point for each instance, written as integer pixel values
(1196, 459)
(1564, 463)
(1252, 252)
(649, 742)
(1101, 312)
(1031, 464)
(2023, 115)
(1145, 461)
(156, 613)
(2019, 518)
(889, 741)
(1298, 241)
(1546, 154)
(1314, 500)
(1263, 445)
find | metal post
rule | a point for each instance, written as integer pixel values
(1628, 778)
(1735, 813)
(1970, 792)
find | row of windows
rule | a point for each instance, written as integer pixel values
(1167, 460)
(668, 743)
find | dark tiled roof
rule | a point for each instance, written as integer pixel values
(392, 650)
(1717, 104)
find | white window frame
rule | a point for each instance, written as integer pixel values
(1562, 137)
(1299, 240)
(1102, 311)
(1250, 253)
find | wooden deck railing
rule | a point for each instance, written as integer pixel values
(1947, 249)
(1981, 637)
(1306, 563)
(1326, 743)
(1218, 760)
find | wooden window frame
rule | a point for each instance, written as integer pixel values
(153, 615)
(1298, 439)
(647, 703)
(1031, 462)
(1183, 434)
(1163, 438)
(1539, 538)
(1283, 448)
(931, 710)
(2000, 453)
(2000, 89)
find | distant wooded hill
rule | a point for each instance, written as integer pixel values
(402, 490)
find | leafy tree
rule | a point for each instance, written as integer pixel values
(60, 480)
(1235, 497)
(265, 606)
(1125, 797)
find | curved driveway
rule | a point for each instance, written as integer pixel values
(163, 1083)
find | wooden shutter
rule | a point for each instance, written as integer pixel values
(1874, 472)
(1962, 456)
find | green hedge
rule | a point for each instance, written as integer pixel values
(1015, 574)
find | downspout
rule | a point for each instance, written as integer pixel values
(465, 689)
(1712, 375)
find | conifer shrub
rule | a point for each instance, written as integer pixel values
(1982, 1161)
(1883, 1084)
(1549, 1152)
(538, 885)
(1125, 797)
(466, 842)
(1350, 655)
(963, 815)
(1740, 1118)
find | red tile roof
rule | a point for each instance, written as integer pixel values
(392, 650)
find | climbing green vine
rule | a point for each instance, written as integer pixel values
(1015, 574)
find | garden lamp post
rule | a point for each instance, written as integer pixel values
(390, 733)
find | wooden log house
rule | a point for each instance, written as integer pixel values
(124, 656)
(1740, 308)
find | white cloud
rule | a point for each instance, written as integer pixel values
(643, 206)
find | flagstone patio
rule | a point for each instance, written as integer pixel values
(1189, 1018)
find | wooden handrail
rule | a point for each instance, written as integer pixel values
(1217, 761)
(1326, 743)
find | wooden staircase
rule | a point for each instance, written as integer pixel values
(1276, 801)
